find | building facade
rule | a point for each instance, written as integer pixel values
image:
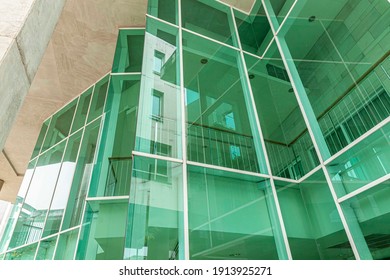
(220, 134)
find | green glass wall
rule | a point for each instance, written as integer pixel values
(221, 134)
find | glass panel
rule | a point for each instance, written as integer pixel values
(159, 128)
(155, 229)
(363, 163)
(98, 99)
(112, 171)
(46, 249)
(41, 138)
(281, 8)
(313, 226)
(103, 233)
(64, 182)
(254, 30)
(219, 127)
(342, 64)
(217, 203)
(13, 217)
(129, 49)
(212, 19)
(81, 177)
(32, 217)
(163, 9)
(371, 209)
(82, 110)
(67, 245)
(280, 116)
(60, 125)
(24, 253)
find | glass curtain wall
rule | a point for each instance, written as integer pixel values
(265, 134)
(53, 191)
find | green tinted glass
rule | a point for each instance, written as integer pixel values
(218, 229)
(60, 125)
(64, 182)
(103, 233)
(219, 128)
(371, 210)
(129, 49)
(81, 176)
(254, 30)
(41, 138)
(98, 99)
(25, 253)
(46, 249)
(155, 227)
(159, 116)
(313, 226)
(67, 245)
(30, 223)
(164, 9)
(82, 110)
(363, 163)
(213, 20)
(291, 152)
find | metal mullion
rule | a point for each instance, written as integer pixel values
(184, 139)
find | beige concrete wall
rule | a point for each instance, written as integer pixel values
(25, 30)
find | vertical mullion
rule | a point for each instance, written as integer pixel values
(186, 244)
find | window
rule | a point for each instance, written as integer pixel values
(158, 62)
(157, 105)
(229, 121)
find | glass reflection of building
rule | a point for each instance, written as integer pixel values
(221, 135)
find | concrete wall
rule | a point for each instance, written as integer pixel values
(26, 27)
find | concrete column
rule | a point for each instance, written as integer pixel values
(26, 27)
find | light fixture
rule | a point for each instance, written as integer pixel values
(251, 76)
(204, 61)
(312, 18)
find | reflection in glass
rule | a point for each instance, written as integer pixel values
(229, 216)
(67, 245)
(24, 253)
(129, 48)
(163, 9)
(98, 99)
(81, 177)
(219, 129)
(82, 110)
(371, 209)
(363, 163)
(60, 125)
(212, 20)
(103, 233)
(343, 64)
(254, 30)
(154, 230)
(291, 152)
(313, 225)
(159, 129)
(41, 138)
(31, 220)
(46, 249)
(13, 218)
(64, 182)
